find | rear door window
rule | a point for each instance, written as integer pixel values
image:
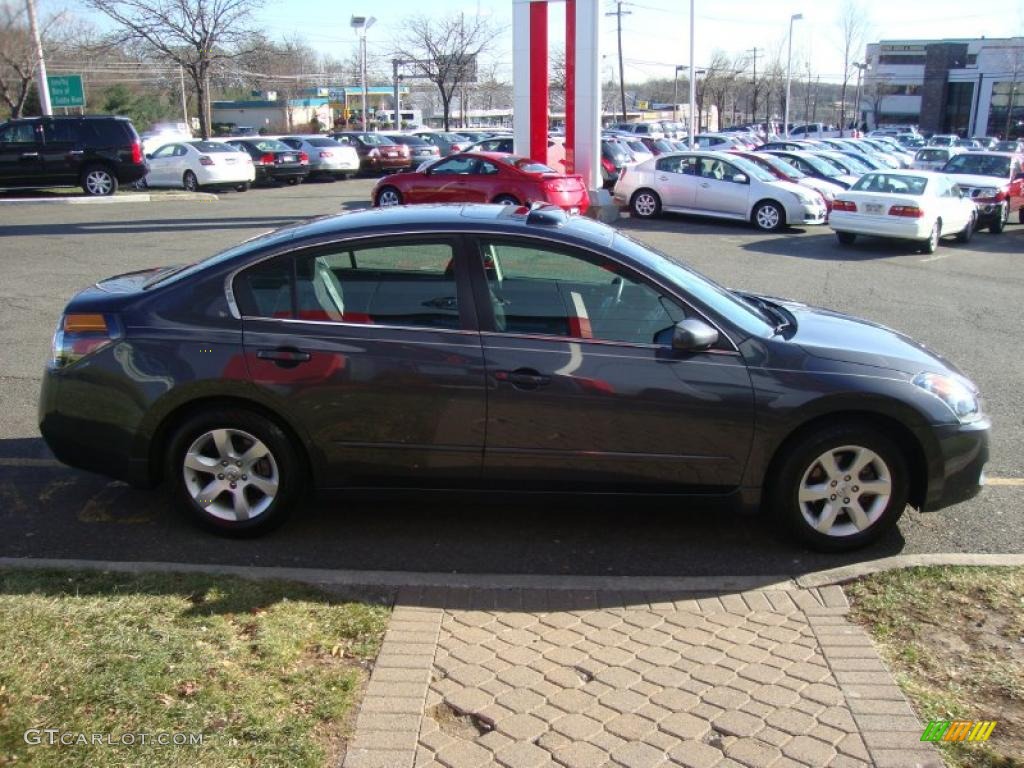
(60, 132)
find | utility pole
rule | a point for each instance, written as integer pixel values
(394, 76)
(618, 13)
(856, 110)
(753, 88)
(675, 94)
(789, 73)
(44, 84)
(814, 114)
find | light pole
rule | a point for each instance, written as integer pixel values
(675, 94)
(693, 83)
(361, 24)
(37, 46)
(860, 71)
(789, 71)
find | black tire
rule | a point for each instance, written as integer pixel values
(965, 234)
(846, 238)
(190, 182)
(505, 200)
(767, 222)
(1020, 215)
(293, 180)
(243, 187)
(99, 181)
(800, 458)
(999, 224)
(645, 204)
(385, 193)
(282, 452)
(931, 245)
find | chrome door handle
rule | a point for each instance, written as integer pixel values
(705, 184)
(663, 178)
(30, 154)
(76, 152)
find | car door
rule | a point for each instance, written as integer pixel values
(676, 180)
(61, 152)
(717, 189)
(161, 167)
(20, 160)
(371, 347)
(446, 182)
(583, 386)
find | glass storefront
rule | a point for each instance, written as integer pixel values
(1001, 107)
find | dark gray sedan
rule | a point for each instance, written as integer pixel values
(505, 349)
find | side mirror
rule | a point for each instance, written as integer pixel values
(740, 178)
(149, 155)
(693, 335)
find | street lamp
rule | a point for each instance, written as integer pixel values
(361, 24)
(675, 94)
(693, 82)
(860, 71)
(789, 71)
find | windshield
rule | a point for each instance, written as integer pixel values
(782, 166)
(890, 184)
(981, 165)
(933, 155)
(821, 165)
(720, 300)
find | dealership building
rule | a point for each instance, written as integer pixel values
(962, 86)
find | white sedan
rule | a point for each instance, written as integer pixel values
(193, 165)
(719, 184)
(905, 205)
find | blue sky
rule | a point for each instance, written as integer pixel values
(656, 33)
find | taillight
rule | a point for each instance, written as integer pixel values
(136, 152)
(374, 152)
(81, 334)
(303, 157)
(607, 165)
(906, 211)
(204, 160)
(844, 205)
(326, 153)
(267, 159)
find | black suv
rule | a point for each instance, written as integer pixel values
(97, 153)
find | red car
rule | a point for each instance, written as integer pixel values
(484, 177)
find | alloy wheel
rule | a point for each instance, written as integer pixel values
(388, 198)
(645, 205)
(768, 217)
(845, 491)
(231, 474)
(99, 182)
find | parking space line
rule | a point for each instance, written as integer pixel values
(936, 257)
(1012, 481)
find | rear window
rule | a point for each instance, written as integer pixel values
(890, 184)
(107, 133)
(271, 145)
(375, 140)
(527, 165)
(324, 142)
(211, 146)
(932, 155)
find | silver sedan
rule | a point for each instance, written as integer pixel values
(327, 157)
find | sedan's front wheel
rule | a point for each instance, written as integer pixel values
(235, 472)
(931, 245)
(769, 217)
(388, 197)
(999, 224)
(841, 487)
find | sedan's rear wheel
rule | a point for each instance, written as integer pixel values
(388, 197)
(190, 182)
(505, 200)
(645, 204)
(234, 471)
(841, 487)
(769, 217)
(931, 245)
(965, 234)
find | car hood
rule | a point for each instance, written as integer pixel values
(835, 336)
(977, 180)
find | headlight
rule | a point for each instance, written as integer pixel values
(958, 396)
(987, 192)
(806, 199)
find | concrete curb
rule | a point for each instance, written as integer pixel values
(847, 573)
(140, 197)
(396, 579)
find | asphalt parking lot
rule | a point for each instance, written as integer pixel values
(964, 302)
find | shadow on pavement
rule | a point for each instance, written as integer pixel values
(144, 226)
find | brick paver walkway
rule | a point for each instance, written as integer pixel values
(545, 678)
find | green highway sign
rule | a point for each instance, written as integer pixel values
(66, 90)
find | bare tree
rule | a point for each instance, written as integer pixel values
(194, 34)
(444, 50)
(853, 25)
(1015, 66)
(720, 80)
(17, 54)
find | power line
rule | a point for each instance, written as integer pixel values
(618, 13)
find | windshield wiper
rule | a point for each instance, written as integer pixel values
(772, 310)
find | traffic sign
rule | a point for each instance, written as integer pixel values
(66, 90)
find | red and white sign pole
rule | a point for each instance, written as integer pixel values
(582, 89)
